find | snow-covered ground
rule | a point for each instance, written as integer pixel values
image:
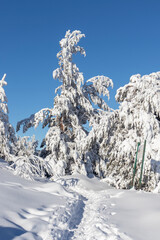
(74, 207)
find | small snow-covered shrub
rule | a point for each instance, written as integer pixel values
(29, 167)
(25, 161)
(25, 146)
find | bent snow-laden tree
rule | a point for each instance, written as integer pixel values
(66, 148)
(137, 120)
(25, 161)
(7, 133)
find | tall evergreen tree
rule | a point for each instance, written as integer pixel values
(65, 142)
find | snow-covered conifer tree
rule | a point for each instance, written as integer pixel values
(136, 120)
(66, 148)
(7, 134)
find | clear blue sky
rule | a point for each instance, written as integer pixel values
(122, 39)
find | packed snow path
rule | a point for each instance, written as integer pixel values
(95, 216)
(94, 224)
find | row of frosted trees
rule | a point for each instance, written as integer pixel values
(109, 148)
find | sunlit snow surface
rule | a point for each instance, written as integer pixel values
(74, 208)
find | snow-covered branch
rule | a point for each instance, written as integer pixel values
(43, 116)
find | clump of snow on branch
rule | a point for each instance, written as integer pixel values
(43, 116)
(95, 87)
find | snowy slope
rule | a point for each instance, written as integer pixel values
(30, 210)
(74, 207)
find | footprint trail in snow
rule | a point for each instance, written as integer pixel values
(94, 220)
